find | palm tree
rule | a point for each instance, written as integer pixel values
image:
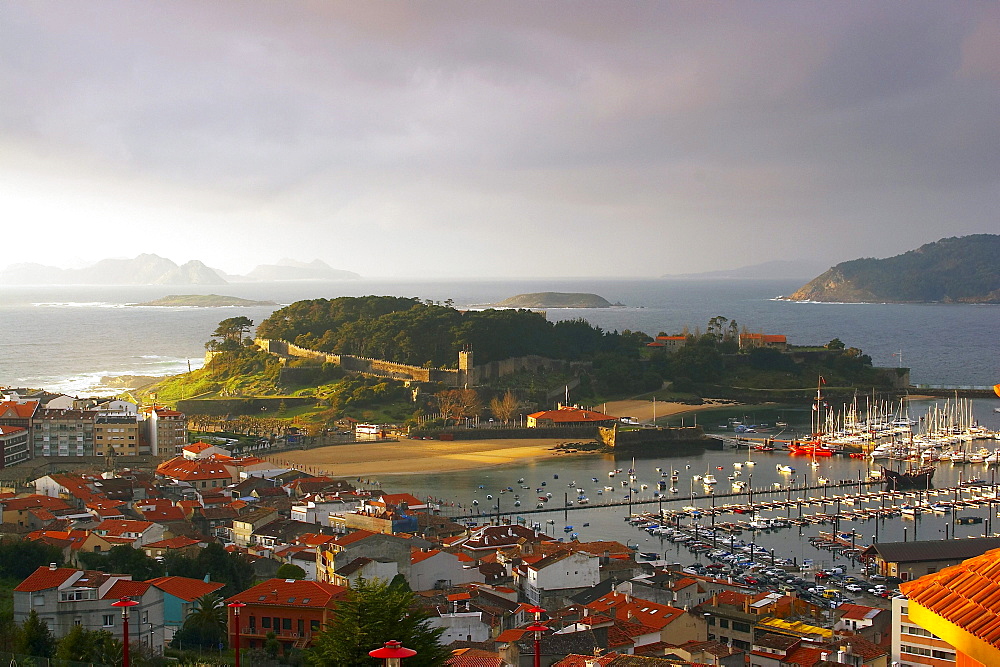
(206, 626)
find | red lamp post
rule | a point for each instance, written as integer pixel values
(236, 606)
(538, 628)
(124, 603)
(392, 653)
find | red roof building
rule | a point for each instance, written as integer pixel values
(569, 416)
(294, 610)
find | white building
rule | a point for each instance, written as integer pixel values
(563, 573)
(432, 569)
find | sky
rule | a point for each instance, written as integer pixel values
(496, 139)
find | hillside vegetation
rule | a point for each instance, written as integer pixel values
(953, 270)
(555, 300)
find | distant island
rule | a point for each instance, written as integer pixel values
(203, 301)
(149, 269)
(963, 269)
(555, 300)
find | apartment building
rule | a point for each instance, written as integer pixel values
(116, 434)
(164, 430)
(913, 645)
(63, 432)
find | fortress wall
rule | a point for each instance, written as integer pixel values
(477, 375)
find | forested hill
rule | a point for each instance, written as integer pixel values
(409, 331)
(953, 270)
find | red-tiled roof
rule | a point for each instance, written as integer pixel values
(126, 589)
(569, 414)
(184, 588)
(291, 593)
(44, 578)
(193, 469)
(33, 501)
(967, 595)
(15, 410)
(118, 527)
(172, 543)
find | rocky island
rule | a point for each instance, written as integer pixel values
(203, 301)
(953, 270)
(555, 300)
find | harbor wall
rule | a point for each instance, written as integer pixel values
(656, 440)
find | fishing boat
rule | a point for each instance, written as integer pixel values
(708, 479)
(809, 449)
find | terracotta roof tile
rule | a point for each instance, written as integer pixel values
(184, 588)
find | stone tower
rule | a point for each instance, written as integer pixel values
(466, 368)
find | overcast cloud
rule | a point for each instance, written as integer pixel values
(496, 138)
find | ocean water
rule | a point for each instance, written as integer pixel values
(67, 338)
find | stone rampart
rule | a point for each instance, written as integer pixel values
(449, 377)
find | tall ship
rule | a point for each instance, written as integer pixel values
(912, 478)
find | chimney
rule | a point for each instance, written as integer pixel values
(52, 567)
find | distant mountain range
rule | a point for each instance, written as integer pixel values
(777, 269)
(148, 269)
(963, 269)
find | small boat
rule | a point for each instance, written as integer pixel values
(780, 467)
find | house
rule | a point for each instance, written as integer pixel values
(208, 473)
(911, 560)
(136, 533)
(245, 525)
(203, 450)
(179, 595)
(345, 549)
(644, 621)
(551, 580)
(568, 415)
(74, 542)
(669, 344)
(67, 597)
(20, 511)
(871, 622)
(364, 568)
(435, 569)
(295, 611)
(187, 546)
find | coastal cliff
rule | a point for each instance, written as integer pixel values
(953, 270)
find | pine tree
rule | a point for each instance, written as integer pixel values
(36, 639)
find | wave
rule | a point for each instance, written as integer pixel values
(90, 383)
(78, 304)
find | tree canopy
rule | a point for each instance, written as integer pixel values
(374, 612)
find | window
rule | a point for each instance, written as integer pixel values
(723, 622)
(314, 626)
(108, 620)
(145, 617)
(943, 655)
(265, 622)
(741, 627)
(286, 624)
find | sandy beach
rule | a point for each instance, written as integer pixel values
(416, 456)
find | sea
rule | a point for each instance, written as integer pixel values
(67, 338)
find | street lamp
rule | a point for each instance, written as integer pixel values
(236, 606)
(392, 653)
(538, 628)
(124, 603)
